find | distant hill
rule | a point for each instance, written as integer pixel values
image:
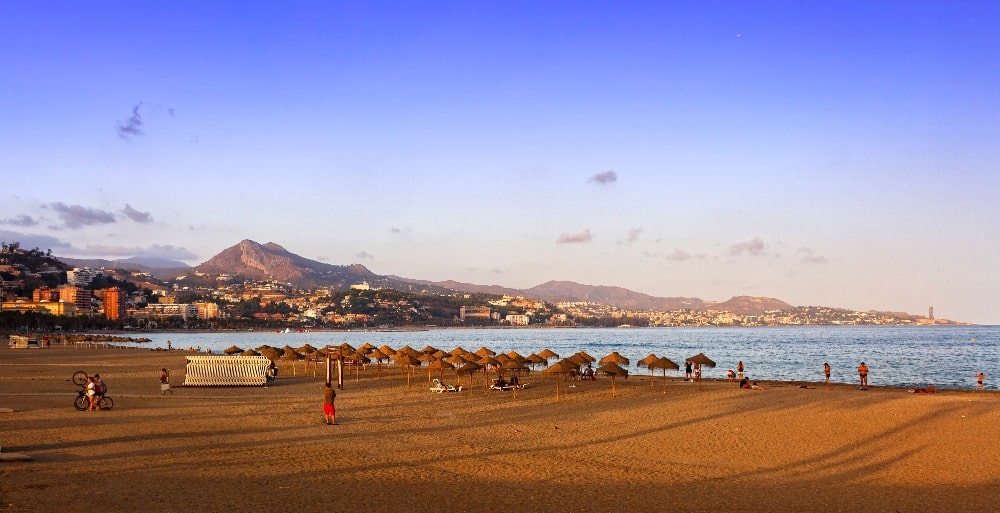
(749, 305)
(253, 260)
(169, 269)
(555, 291)
(271, 261)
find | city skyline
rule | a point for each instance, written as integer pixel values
(830, 155)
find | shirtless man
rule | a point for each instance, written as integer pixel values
(863, 373)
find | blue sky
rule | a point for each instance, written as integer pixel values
(825, 153)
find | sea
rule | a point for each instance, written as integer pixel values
(948, 357)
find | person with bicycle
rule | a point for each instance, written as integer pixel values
(92, 394)
(102, 388)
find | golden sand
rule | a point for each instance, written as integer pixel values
(659, 446)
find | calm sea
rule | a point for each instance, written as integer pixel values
(944, 356)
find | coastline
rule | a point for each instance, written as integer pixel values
(678, 446)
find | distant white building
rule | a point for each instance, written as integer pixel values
(517, 319)
(81, 277)
(361, 286)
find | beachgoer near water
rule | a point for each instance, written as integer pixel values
(731, 375)
(165, 382)
(980, 378)
(739, 369)
(687, 371)
(863, 373)
(329, 411)
(697, 372)
(745, 382)
(514, 381)
(588, 373)
(826, 371)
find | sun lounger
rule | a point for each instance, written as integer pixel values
(440, 387)
(506, 388)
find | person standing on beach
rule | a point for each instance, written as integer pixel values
(826, 372)
(687, 371)
(329, 412)
(165, 382)
(980, 378)
(863, 373)
(739, 370)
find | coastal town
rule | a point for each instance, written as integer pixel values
(38, 290)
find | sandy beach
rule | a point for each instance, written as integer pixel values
(654, 446)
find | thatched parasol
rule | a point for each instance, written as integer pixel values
(548, 354)
(233, 349)
(590, 359)
(386, 350)
(306, 349)
(469, 367)
(439, 365)
(249, 352)
(650, 358)
(406, 360)
(662, 363)
(429, 349)
(536, 359)
(439, 354)
(271, 353)
(564, 367)
(699, 360)
(614, 357)
(614, 370)
(484, 351)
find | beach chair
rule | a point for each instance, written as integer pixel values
(438, 386)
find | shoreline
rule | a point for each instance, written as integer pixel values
(679, 446)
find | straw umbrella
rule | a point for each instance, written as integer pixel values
(488, 362)
(614, 357)
(536, 359)
(484, 351)
(548, 354)
(233, 349)
(378, 356)
(699, 360)
(561, 368)
(406, 360)
(249, 352)
(439, 365)
(471, 368)
(663, 363)
(614, 370)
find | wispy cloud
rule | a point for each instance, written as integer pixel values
(78, 216)
(135, 215)
(394, 229)
(631, 238)
(809, 256)
(156, 250)
(30, 240)
(679, 255)
(364, 255)
(572, 238)
(605, 177)
(752, 247)
(132, 126)
(21, 220)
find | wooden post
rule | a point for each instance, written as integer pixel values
(329, 369)
(340, 372)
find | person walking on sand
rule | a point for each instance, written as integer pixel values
(826, 372)
(863, 373)
(165, 382)
(92, 394)
(980, 378)
(329, 412)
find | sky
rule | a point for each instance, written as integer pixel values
(840, 154)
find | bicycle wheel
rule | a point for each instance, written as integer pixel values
(106, 403)
(80, 378)
(81, 403)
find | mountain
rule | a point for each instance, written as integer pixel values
(555, 291)
(271, 261)
(163, 270)
(749, 305)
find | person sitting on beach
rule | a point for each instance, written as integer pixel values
(755, 386)
(500, 382)
(745, 382)
(588, 373)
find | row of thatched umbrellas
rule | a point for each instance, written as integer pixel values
(466, 362)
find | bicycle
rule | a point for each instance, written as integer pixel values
(82, 402)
